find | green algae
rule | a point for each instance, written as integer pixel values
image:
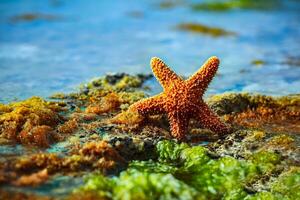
(169, 151)
(133, 184)
(99, 185)
(265, 161)
(203, 29)
(226, 5)
(142, 185)
(191, 172)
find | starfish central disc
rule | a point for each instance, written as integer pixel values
(182, 99)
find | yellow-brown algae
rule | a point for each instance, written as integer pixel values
(30, 122)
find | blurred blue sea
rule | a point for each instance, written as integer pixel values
(70, 42)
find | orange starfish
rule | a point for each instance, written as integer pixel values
(182, 99)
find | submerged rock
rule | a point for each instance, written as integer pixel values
(205, 30)
(219, 5)
(28, 17)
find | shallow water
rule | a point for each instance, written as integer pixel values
(73, 41)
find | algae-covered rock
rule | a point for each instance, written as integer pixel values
(288, 184)
(194, 173)
(32, 121)
(203, 29)
(219, 5)
(276, 114)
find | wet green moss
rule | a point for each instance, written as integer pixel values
(203, 29)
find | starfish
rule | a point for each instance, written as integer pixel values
(182, 99)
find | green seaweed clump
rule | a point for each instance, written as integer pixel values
(96, 186)
(185, 172)
(169, 151)
(133, 184)
(265, 160)
(143, 185)
(203, 29)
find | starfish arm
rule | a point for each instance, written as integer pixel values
(211, 121)
(163, 73)
(201, 79)
(178, 124)
(152, 105)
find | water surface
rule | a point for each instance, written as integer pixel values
(69, 42)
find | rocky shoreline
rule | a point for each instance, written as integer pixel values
(89, 134)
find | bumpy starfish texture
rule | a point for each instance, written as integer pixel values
(182, 99)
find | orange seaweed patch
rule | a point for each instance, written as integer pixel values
(39, 135)
(107, 103)
(38, 161)
(275, 119)
(275, 114)
(32, 179)
(101, 154)
(97, 155)
(8, 195)
(68, 127)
